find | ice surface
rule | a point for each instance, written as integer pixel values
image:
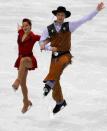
(84, 83)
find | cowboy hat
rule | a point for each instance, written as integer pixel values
(62, 9)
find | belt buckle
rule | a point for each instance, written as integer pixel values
(56, 53)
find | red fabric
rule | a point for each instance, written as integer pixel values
(25, 48)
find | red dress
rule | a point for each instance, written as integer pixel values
(25, 48)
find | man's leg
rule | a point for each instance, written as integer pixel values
(56, 69)
(53, 76)
(57, 92)
(58, 97)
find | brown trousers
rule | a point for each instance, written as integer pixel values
(56, 68)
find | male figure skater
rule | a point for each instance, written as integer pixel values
(59, 34)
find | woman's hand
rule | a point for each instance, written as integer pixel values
(19, 27)
(42, 47)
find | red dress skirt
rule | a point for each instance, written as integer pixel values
(34, 62)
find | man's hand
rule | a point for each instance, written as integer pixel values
(54, 49)
(100, 6)
(43, 44)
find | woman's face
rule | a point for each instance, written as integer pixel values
(26, 27)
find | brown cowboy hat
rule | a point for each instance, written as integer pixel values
(62, 9)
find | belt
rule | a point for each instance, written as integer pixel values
(59, 53)
(26, 55)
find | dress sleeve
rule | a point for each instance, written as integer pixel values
(20, 31)
(35, 37)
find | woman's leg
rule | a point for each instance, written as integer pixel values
(25, 63)
(24, 86)
(26, 101)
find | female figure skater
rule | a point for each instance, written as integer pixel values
(26, 60)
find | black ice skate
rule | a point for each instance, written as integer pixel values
(58, 107)
(46, 90)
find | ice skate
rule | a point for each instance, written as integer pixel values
(16, 84)
(26, 106)
(58, 107)
(46, 90)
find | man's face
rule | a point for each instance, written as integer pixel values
(60, 17)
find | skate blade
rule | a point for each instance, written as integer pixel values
(14, 89)
(51, 115)
(54, 115)
(29, 107)
(59, 110)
